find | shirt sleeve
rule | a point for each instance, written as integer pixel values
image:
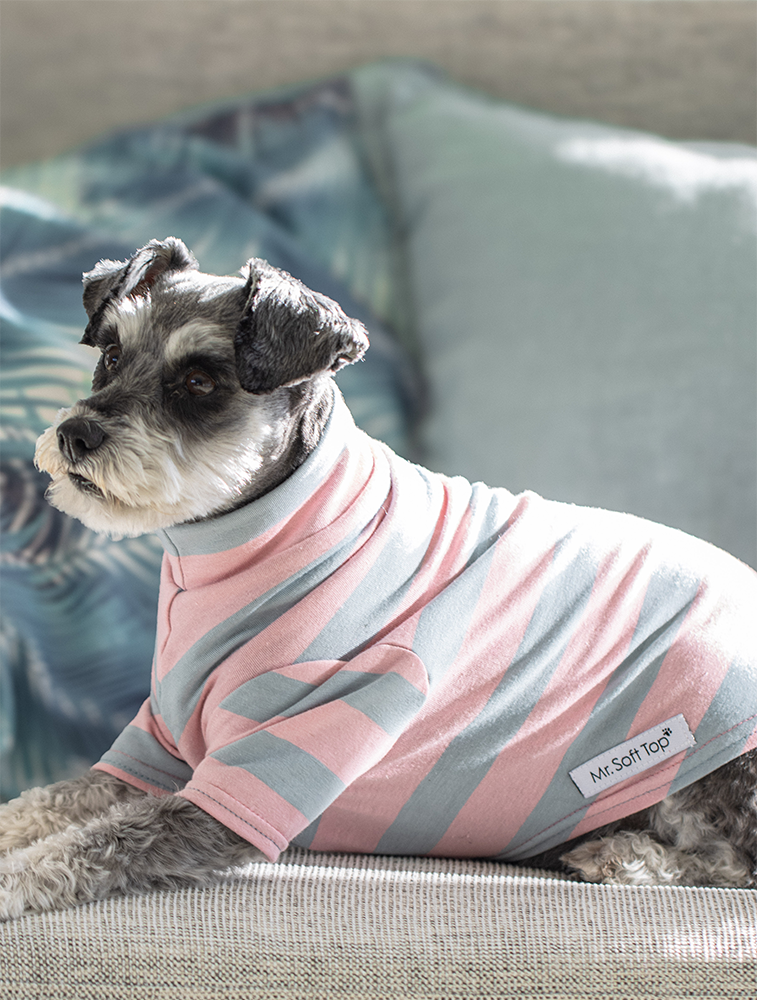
(143, 755)
(302, 734)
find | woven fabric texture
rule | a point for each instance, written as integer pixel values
(349, 927)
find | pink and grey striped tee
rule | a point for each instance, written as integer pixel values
(376, 658)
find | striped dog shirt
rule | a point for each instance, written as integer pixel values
(376, 658)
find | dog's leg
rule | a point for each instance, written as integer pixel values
(39, 812)
(705, 834)
(138, 845)
(632, 858)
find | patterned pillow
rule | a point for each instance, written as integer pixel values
(277, 178)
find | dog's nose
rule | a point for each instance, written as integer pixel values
(78, 436)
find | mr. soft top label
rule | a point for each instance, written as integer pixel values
(646, 750)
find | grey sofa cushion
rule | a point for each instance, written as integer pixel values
(316, 927)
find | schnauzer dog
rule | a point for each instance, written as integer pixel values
(356, 654)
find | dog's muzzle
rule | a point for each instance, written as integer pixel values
(78, 437)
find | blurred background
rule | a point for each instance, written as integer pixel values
(74, 68)
(545, 212)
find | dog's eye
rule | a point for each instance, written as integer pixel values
(199, 383)
(111, 357)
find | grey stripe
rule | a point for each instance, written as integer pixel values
(381, 593)
(306, 837)
(219, 534)
(490, 511)
(180, 690)
(717, 741)
(139, 754)
(666, 604)
(387, 699)
(292, 773)
(266, 696)
(441, 795)
(444, 622)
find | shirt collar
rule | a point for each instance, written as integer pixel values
(227, 531)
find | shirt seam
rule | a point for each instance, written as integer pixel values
(242, 819)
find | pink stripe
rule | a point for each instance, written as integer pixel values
(339, 736)
(335, 496)
(228, 792)
(217, 594)
(448, 550)
(357, 819)
(711, 636)
(322, 507)
(166, 596)
(130, 779)
(285, 640)
(223, 728)
(521, 775)
(457, 700)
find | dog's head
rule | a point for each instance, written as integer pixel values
(208, 391)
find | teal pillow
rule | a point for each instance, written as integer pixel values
(585, 301)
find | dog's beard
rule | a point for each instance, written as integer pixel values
(147, 481)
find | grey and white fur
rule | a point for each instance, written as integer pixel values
(208, 392)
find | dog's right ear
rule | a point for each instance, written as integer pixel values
(113, 280)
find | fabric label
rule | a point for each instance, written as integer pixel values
(646, 750)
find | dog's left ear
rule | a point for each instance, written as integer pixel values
(288, 333)
(112, 280)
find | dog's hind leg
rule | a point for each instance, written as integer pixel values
(138, 845)
(39, 812)
(706, 834)
(633, 858)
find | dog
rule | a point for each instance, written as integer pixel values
(356, 654)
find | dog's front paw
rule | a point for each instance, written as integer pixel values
(28, 818)
(45, 876)
(14, 899)
(41, 812)
(12, 904)
(14, 826)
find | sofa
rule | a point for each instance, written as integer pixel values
(561, 297)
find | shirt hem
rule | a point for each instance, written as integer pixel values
(231, 813)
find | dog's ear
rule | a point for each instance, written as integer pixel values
(288, 333)
(112, 280)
